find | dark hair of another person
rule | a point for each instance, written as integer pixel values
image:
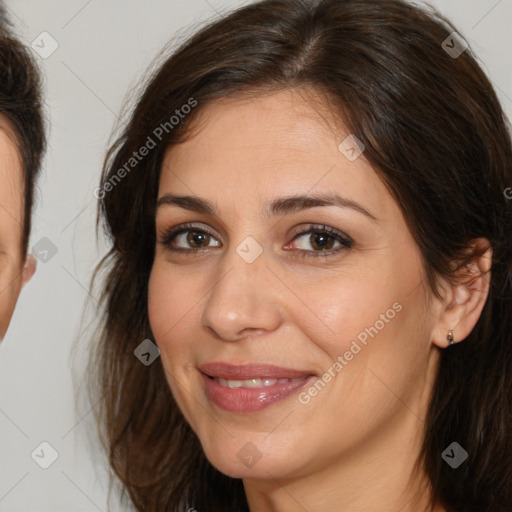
(21, 105)
(436, 135)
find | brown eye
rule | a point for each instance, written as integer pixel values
(321, 241)
(188, 238)
(321, 238)
(197, 238)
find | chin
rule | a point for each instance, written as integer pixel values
(232, 466)
(241, 457)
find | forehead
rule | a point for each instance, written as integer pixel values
(9, 144)
(287, 117)
(12, 198)
(270, 145)
(9, 140)
(11, 168)
(6, 125)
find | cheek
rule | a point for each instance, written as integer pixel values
(377, 349)
(171, 304)
(337, 309)
(368, 325)
(10, 283)
(161, 303)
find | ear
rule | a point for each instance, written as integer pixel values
(464, 300)
(29, 269)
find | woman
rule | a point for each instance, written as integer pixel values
(309, 227)
(22, 144)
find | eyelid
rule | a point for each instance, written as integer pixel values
(343, 239)
(346, 242)
(167, 235)
(321, 228)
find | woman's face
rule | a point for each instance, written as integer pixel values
(286, 350)
(15, 270)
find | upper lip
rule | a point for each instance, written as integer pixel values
(251, 371)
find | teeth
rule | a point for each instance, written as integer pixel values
(233, 384)
(253, 383)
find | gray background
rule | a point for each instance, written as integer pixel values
(104, 48)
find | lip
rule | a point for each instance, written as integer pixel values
(245, 400)
(251, 371)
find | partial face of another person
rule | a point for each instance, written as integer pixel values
(258, 297)
(15, 268)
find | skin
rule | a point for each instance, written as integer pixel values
(353, 446)
(16, 268)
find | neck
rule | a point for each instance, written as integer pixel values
(381, 476)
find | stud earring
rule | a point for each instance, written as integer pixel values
(449, 337)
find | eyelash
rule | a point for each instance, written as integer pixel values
(346, 242)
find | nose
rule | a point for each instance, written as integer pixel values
(245, 299)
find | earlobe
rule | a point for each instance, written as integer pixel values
(465, 299)
(29, 268)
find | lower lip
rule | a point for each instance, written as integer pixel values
(250, 399)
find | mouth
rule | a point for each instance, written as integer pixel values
(250, 388)
(253, 383)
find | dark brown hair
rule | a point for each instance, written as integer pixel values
(21, 105)
(437, 136)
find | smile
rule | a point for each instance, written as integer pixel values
(252, 387)
(254, 383)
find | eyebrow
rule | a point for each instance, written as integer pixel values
(281, 206)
